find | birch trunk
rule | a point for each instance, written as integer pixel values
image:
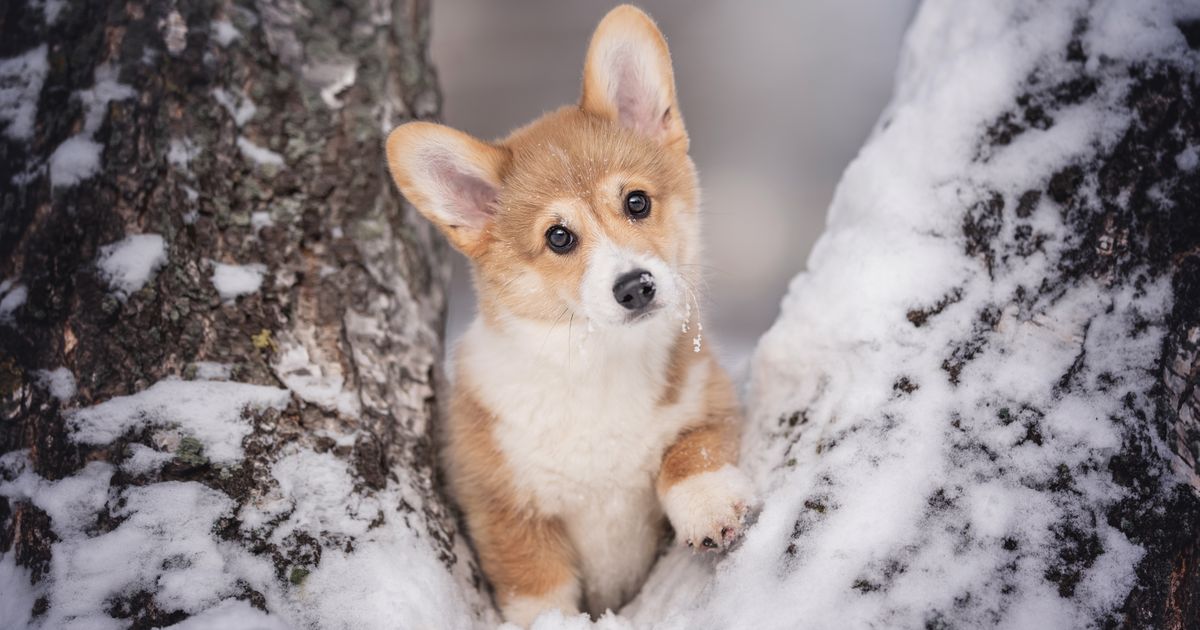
(244, 141)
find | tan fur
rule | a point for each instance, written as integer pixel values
(709, 445)
(523, 553)
(595, 83)
(495, 202)
(573, 166)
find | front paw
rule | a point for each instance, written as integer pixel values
(708, 509)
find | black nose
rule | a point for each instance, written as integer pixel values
(634, 290)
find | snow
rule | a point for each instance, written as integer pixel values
(390, 580)
(224, 32)
(233, 614)
(51, 9)
(259, 155)
(212, 371)
(129, 263)
(163, 544)
(210, 411)
(181, 152)
(1188, 159)
(12, 297)
(898, 495)
(78, 157)
(21, 79)
(376, 568)
(232, 281)
(239, 106)
(16, 583)
(143, 460)
(75, 160)
(414, 593)
(59, 382)
(260, 220)
(317, 487)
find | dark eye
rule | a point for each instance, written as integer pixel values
(560, 239)
(637, 204)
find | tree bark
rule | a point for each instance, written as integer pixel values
(243, 134)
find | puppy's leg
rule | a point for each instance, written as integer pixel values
(701, 489)
(526, 556)
(528, 559)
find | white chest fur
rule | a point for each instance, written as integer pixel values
(582, 432)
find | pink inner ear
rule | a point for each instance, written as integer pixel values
(467, 198)
(636, 97)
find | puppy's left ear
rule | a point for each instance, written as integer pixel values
(627, 77)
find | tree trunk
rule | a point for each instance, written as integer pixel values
(219, 326)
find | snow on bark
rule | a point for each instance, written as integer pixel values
(219, 327)
(977, 408)
(21, 80)
(129, 263)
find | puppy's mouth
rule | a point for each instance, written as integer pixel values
(643, 314)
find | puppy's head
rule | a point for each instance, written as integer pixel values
(590, 210)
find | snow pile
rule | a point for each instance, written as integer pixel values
(181, 152)
(261, 156)
(233, 614)
(75, 160)
(51, 9)
(128, 263)
(224, 32)
(260, 220)
(12, 297)
(78, 157)
(143, 460)
(21, 79)
(209, 411)
(59, 382)
(16, 584)
(212, 371)
(232, 281)
(388, 580)
(316, 548)
(934, 415)
(163, 545)
(239, 106)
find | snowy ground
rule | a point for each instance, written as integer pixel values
(930, 430)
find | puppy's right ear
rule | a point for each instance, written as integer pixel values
(452, 179)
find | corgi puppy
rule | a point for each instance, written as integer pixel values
(585, 405)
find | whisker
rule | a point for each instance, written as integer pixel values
(570, 327)
(551, 331)
(704, 266)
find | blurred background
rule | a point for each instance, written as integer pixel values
(777, 96)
